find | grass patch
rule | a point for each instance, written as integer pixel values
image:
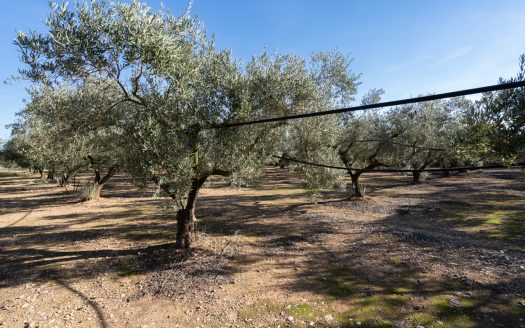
(422, 318)
(299, 311)
(350, 318)
(452, 314)
(338, 282)
(381, 304)
(507, 224)
(374, 311)
(497, 217)
(212, 226)
(127, 270)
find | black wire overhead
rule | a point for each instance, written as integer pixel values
(496, 87)
(393, 170)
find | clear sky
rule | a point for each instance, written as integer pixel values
(407, 47)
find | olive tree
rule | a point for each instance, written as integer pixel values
(175, 87)
(330, 84)
(365, 143)
(154, 60)
(503, 118)
(461, 144)
(432, 133)
(15, 150)
(71, 128)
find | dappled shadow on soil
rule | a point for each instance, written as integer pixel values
(416, 265)
(447, 253)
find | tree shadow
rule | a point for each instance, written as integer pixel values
(413, 265)
(92, 304)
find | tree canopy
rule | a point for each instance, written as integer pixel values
(118, 86)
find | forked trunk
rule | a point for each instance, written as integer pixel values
(93, 192)
(50, 175)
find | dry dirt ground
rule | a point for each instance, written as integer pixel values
(447, 253)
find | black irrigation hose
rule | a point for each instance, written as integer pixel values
(496, 166)
(496, 87)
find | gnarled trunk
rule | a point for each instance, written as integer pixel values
(184, 229)
(186, 220)
(93, 192)
(356, 187)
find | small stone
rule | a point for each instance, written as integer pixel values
(454, 301)
(289, 318)
(328, 317)
(311, 324)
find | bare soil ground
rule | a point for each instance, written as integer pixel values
(446, 253)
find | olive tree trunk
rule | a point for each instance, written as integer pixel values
(93, 192)
(50, 175)
(186, 220)
(356, 186)
(416, 177)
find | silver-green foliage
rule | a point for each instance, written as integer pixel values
(168, 85)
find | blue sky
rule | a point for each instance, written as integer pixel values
(407, 48)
